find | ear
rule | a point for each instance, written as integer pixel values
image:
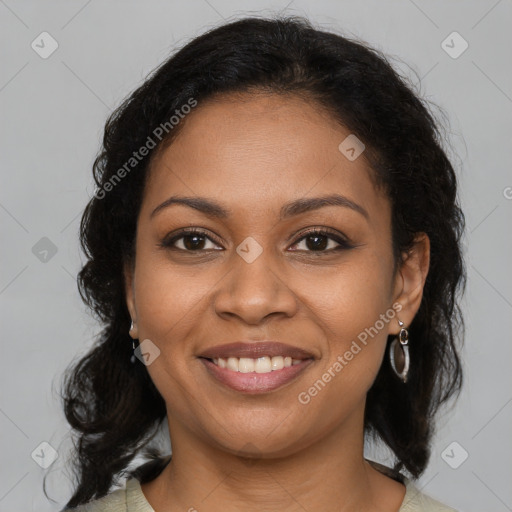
(410, 279)
(129, 288)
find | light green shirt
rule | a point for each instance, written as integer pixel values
(132, 499)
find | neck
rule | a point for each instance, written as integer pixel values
(329, 474)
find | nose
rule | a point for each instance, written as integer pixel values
(255, 290)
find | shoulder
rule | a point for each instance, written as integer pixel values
(113, 502)
(128, 499)
(416, 501)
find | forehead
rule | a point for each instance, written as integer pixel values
(253, 151)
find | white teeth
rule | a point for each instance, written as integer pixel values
(263, 364)
(277, 363)
(232, 364)
(245, 365)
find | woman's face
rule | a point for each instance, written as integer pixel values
(252, 275)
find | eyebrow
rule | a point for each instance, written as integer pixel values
(214, 209)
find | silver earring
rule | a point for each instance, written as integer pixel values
(132, 358)
(399, 351)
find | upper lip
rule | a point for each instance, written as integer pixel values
(255, 350)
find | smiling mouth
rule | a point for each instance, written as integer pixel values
(255, 376)
(264, 364)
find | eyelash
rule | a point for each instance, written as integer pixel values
(343, 243)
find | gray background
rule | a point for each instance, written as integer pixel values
(53, 111)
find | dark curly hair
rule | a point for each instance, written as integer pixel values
(113, 405)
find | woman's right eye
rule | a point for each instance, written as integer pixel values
(189, 241)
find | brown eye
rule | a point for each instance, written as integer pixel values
(193, 242)
(321, 241)
(189, 241)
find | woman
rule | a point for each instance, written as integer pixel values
(273, 249)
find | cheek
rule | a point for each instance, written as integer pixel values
(168, 305)
(169, 300)
(348, 309)
(352, 306)
(350, 296)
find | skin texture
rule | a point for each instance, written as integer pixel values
(234, 451)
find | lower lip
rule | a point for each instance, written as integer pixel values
(255, 382)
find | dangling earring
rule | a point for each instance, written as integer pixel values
(395, 354)
(132, 359)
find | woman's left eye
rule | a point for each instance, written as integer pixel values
(321, 241)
